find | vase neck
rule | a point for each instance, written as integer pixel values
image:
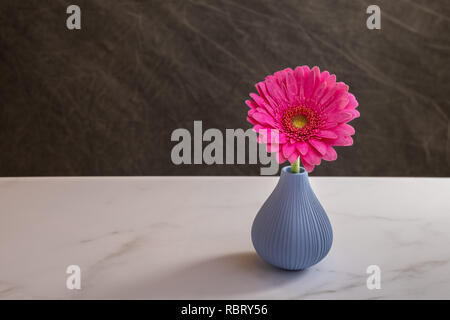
(286, 173)
(293, 180)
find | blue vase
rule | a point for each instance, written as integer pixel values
(292, 231)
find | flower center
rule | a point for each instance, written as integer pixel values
(299, 121)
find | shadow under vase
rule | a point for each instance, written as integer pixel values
(220, 277)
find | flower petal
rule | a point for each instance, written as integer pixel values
(273, 147)
(324, 76)
(251, 104)
(280, 158)
(327, 95)
(311, 82)
(341, 116)
(355, 113)
(312, 157)
(327, 134)
(263, 118)
(291, 86)
(320, 90)
(302, 147)
(288, 149)
(329, 124)
(259, 101)
(334, 101)
(251, 120)
(269, 104)
(309, 167)
(269, 135)
(331, 154)
(274, 89)
(343, 141)
(352, 103)
(344, 129)
(294, 156)
(318, 145)
(336, 104)
(258, 127)
(300, 74)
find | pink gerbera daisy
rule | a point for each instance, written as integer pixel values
(309, 110)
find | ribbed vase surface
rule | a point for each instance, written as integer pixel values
(291, 230)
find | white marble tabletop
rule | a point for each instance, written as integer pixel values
(189, 238)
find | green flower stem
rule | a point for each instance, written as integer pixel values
(295, 167)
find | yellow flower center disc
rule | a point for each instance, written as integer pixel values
(299, 121)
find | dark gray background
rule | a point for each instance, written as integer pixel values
(104, 100)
